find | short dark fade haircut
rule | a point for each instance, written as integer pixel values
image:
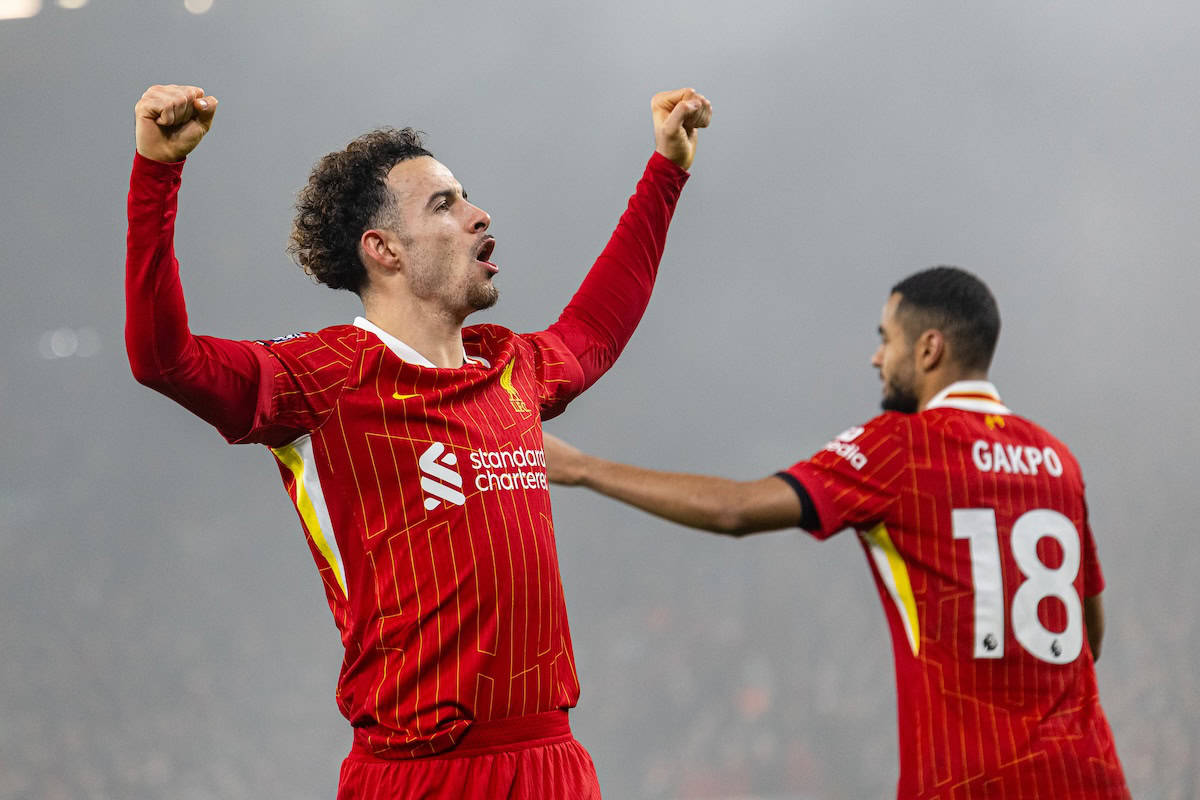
(346, 194)
(959, 305)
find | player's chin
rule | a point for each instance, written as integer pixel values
(483, 295)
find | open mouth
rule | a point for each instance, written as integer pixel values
(485, 253)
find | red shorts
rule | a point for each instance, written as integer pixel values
(523, 758)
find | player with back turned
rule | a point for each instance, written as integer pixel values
(411, 445)
(974, 522)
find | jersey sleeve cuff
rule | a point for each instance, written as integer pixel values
(665, 170)
(808, 512)
(801, 475)
(147, 169)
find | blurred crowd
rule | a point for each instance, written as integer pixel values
(190, 670)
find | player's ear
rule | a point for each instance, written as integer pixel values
(930, 349)
(379, 249)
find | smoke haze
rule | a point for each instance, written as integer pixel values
(163, 632)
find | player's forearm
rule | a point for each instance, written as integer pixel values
(156, 329)
(698, 501)
(609, 304)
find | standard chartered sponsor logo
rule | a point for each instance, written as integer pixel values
(437, 477)
(495, 470)
(507, 470)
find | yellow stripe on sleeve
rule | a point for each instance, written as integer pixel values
(310, 502)
(894, 572)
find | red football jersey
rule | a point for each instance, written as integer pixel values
(975, 525)
(422, 491)
(423, 495)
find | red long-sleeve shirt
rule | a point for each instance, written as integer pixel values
(975, 525)
(422, 491)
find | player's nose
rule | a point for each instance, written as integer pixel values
(480, 220)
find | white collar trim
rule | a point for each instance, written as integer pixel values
(979, 396)
(403, 351)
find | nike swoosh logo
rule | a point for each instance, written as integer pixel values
(398, 396)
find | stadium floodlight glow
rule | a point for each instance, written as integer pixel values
(197, 6)
(19, 9)
(71, 4)
(60, 343)
(66, 342)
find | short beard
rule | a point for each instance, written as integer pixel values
(482, 295)
(899, 399)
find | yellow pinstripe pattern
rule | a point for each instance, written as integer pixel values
(462, 613)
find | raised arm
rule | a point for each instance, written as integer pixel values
(606, 309)
(217, 379)
(733, 508)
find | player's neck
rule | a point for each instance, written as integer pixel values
(431, 332)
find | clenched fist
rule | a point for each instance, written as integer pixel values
(169, 121)
(677, 115)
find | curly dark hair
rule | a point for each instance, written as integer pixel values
(347, 194)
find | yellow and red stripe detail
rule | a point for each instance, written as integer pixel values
(894, 573)
(310, 502)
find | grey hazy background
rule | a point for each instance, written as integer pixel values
(163, 633)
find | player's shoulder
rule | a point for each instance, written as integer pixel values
(887, 431)
(1004, 442)
(889, 423)
(494, 343)
(1042, 437)
(1007, 426)
(335, 344)
(1036, 429)
(487, 332)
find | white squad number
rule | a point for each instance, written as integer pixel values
(978, 527)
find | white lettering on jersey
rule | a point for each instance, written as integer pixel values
(850, 434)
(1015, 459)
(509, 469)
(843, 445)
